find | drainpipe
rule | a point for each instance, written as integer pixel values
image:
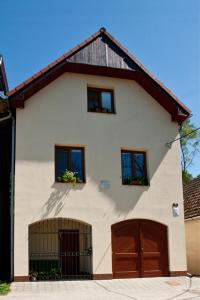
(12, 182)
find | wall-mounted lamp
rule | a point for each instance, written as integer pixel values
(175, 210)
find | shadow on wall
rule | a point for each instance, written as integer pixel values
(57, 199)
(125, 197)
(123, 200)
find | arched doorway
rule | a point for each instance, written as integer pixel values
(139, 249)
(60, 248)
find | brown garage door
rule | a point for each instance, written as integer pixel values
(139, 249)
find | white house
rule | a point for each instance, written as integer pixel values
(98, 112)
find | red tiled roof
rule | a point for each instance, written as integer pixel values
(191, 194)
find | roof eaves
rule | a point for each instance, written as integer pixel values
(83, 44)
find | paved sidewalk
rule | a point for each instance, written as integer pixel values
(179, 288)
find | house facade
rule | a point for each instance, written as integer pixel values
(191, 193)
(99, 114)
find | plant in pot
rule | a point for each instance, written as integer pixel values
(33, 275)
(54, 274)
(139, 180)
(68, 177)
(43, 275)
(98, 109)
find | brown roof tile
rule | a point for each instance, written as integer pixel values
(191, 193)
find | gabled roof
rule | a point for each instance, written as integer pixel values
(101, 55)
(191, 194)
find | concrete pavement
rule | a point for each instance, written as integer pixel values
(178, 288)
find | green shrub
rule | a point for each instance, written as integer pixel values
(4, 288)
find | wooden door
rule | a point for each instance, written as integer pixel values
(139, 249)
(69, 252)
(126, 250)
(154, 254)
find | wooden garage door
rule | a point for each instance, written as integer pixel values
(139, 249)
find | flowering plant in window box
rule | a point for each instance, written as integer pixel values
(68, 177)
(136, 181)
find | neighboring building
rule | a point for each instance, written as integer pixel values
(98, 112)
(5, 178)
(191, 194)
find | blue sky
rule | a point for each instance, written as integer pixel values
(163, 35)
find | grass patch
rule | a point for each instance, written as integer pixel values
(4, 288)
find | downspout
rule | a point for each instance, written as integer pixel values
(12, 182)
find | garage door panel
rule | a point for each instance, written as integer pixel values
(152, 263)
(124, 245)
(127, 264)
(149, 245)
(153, 273)
(127, 267)
(154, 258)
(151, 237)
(151, 254)
(126, 238)
(139, 249)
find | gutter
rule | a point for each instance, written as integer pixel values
(192, 218)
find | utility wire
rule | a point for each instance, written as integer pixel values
(170, 143)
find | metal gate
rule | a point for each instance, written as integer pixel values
(60, 249)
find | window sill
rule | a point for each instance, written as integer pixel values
(102, 112)
(135, 184)
(83, 182)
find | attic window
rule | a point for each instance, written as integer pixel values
(100, 100)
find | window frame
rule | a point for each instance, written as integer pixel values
(68, 150)
(132, 152)
(100, 91)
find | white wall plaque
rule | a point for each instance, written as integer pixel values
(104, 184)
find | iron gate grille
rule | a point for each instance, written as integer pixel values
(64, 253)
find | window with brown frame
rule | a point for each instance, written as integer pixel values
(134, 170)
(70, 159)
(100, 100)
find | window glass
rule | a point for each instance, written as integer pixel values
(70, 159)
(100, 100)
(61, 162)
(126, 167)
(106, 100)
(93, 100)
(139, 165)
(76, 163)
(134, 168)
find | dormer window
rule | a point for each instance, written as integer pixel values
(100, 100)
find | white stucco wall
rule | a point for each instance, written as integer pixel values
(58, 115)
